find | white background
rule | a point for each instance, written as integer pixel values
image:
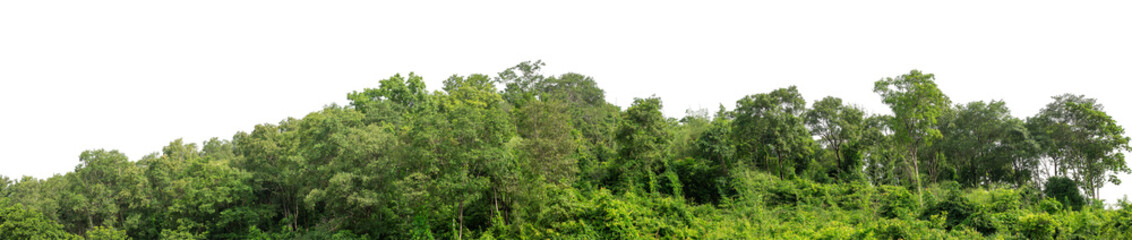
(134, 75)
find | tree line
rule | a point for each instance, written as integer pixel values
(526, 155)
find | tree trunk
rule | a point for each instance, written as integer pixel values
(779, 156)
(495, 200)
(916, 174)
(460, 233)
(837, 153)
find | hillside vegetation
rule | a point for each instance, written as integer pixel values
(521, 155)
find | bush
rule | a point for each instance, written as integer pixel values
(1004, 200)
(1037, 226)
(1065, 191)
(758, 188)
(1120, 225)
(954, 208)
(106, 233)
(700, 180)
(897, 202)
(854, 195)
(1051, 206)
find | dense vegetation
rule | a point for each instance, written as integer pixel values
(547, 157)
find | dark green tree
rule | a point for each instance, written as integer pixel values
(270, 155)
(197, 194)
(840, 129)
(714, 144)
(642, 136)
(987, 145)
(106, 189)
(18, 222)
(769, 132)
(1081, 141)
(1064, 190)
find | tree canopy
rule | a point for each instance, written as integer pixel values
(523, 155)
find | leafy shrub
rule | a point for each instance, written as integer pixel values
(1065, 191)
(954, 208)
(1049, 205)
(1085, 224)
(1037, 226)
(854, 195)
(758, 188)
(1120, 225)
(1002, 200)
(106, 233)
(897, 202)
(984, 221)
(700, 180)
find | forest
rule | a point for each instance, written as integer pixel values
(522, 155)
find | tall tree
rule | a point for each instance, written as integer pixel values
(351, 165)
(43, 195)
(986, 144)
(685, 132)
(582, 100)
(642, 136)
(270, 154)
(769, 131)
(395, 99)
(523, 82)
(548, 140)
(106, 189)
(714, 144)
(916, 103)
(457, 144)
(20, 222)
(883, 157)
(591, 115)
(197, 194)
(1081, 141)
(839, 127)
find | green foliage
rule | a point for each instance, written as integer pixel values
(841, 129)
(395, 98)
(896, 202)
(106, 189)
(986, 145)
(916, 103)
(770, 133)
(548, 158)
(1037, 226)
(19, 222)
(1050, 205)
(1064, 190)
(700, 180)
(548, 140)
(106, 233)
(1081, 141)
(641, 136)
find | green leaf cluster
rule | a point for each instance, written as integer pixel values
(522, 155)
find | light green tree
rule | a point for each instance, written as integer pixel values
(916, 104)
(106, 189)
(18, 222)
(1081, 141)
